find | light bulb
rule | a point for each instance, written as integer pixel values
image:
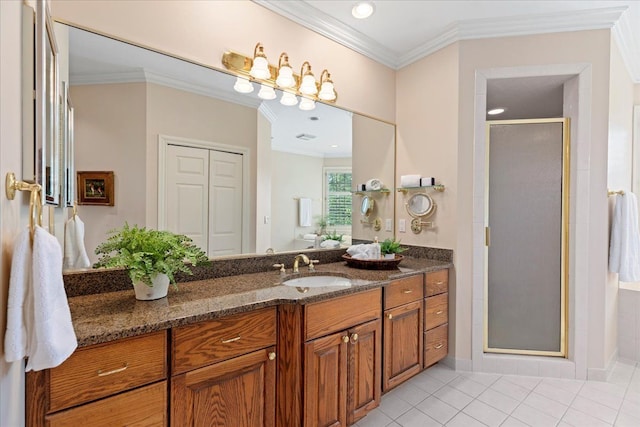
(327, 92)
(308, 86)
(288, 99)
(285, 77)
(266, 92)
(306, 104)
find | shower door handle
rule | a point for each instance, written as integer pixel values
(487, 236)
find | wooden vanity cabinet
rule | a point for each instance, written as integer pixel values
(335, 377)
(226, 371)
(403, 330)
(436, 316)
(118, 383)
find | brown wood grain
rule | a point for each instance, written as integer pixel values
(326, 317)
(436, 282)
(204, 343)
(403, 344)
(290, 375)
(325, 391)
(403, 291)
(139, 360)
(364, 370)
(238, 392)
(435, 345)
(142, 407)
(436, 311)
(37, 398)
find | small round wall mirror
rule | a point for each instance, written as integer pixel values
(420, 205)
(367, 206)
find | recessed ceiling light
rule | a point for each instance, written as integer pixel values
(363, 9)
(495, 111)
(334, 146)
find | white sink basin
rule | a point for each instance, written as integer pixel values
(318, 282)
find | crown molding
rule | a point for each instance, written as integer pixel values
(613, 18)
(308, 16)
(267, 112)
(146, 76)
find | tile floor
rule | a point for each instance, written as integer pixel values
(441, 396)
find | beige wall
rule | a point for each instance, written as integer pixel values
(636, 94)
(109, 136)
(214, 26)
(619, 173)
(373, 149)
(263, 184)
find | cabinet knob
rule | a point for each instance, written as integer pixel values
(389, 316)
(272, 355)
(345, 338)
(354, 338)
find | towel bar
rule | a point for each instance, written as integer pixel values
(611, 192)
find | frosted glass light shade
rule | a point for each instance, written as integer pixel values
(266, 92)
(308, 86)
(288, 99)
(243, 85)
(306, 104)
(260, 68)
(327, 92)
(285, 77)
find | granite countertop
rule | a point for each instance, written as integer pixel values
(108, 316)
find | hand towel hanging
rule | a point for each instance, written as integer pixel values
(304, 211)
(624, 246)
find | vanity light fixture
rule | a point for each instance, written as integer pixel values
(496, 111)
(285, 72)
(308, 85)
(306, 104)
(266, 92)
(363, 9)
(288, 99)
(327, 91)
(243, 85)
(260, 67)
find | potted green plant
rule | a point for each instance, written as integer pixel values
(151, 257)
(390, 247)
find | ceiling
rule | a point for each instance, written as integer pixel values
(401, 32)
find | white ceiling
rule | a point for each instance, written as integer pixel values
(401, 32)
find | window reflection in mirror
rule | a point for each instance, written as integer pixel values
(126, 99)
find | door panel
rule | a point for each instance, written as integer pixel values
(526, 254)
(225, 206)
(365, 362)
(187, 192)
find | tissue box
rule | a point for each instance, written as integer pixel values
(410, 181)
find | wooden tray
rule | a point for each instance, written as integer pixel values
(373, 264)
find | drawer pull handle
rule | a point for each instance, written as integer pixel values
(439, 312)
(345, 338)
(439, 283)
(407, 291)
(231, 340)
(390, 316)
(439, 346)
(272, 355)
(354, 338)
(113, 371)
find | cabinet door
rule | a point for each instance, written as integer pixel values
(365, 365)
(325, 376)
(403, 344)
(238, 392)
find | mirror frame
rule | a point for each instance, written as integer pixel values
(420, 214)
(367, 206)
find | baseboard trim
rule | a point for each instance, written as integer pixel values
(602, 374)
(458, 364)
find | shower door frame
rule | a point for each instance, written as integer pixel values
(564, 249)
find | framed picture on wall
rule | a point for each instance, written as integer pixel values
(95, 188)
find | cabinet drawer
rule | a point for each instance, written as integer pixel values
(324, 317)
(146, 406)
(435, 345)
(436, 282)
(436, 311)
(105, 369)
(208, 342)
(403, 291)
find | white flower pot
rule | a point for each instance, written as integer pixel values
(159, 289)
(389, 256)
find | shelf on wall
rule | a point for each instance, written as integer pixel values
(381, 191)
(436, 187)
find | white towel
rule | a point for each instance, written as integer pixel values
(364, 251)
(75, 254)
(304, 211)
(624, 246)
(39, 320)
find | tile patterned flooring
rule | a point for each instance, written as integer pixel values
(440, 396)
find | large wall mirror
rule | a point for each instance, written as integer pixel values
(237, 173)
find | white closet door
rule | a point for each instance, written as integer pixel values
(187, 192)
(225, 203)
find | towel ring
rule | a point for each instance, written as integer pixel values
(35, 201)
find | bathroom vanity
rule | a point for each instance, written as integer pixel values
(245, 350)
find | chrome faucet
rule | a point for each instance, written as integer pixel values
(299, 257)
